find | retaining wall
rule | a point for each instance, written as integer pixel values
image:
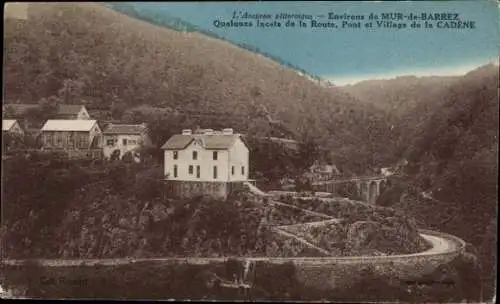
(320, 272)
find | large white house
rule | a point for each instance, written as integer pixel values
(206, 162)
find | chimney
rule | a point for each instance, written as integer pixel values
(208, 132)
(227, 131)
(186, 132)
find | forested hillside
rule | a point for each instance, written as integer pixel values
(152, 15)
(408, 101)
(76, 53)
(454, 155)
(401, 94)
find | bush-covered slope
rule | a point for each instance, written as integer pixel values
(90, 53)
(362, 228)
(454, 157)
(116, 210)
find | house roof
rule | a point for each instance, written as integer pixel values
(69, 109)
(19, 109)
(7, 124)
(124, 129)
(68, 125)
(61, 110)
(209, 142)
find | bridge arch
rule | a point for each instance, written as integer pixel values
(372, 191)
(383, 185)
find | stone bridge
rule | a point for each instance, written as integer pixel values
(368, 187)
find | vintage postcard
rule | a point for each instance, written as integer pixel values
(250, 151)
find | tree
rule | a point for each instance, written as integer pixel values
(71, 91)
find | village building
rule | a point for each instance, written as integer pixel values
(322, 171)
(72, 136)
(71, 112)
(207, 162)
(21, 111)
(32, 116)
(124, 138)
(12, 126)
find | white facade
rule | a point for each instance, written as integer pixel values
(199, 162)
(122, 142)
(238, 166)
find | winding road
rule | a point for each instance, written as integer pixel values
(444, 248)
(442, 244)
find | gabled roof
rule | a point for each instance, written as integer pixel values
(7, 124)
(209, 142)
(19, 109)
(61, 110)
(69, 109)
(124, 129)
(82, 125)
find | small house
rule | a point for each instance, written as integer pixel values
(61, 111)
(78, 112)
(71, 134)
(12, 134)
(124, 138)
(207, 162)
(12, 126)
(321, 171)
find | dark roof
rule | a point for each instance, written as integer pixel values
(69, 109)
(124, 129)
(62, 110)
(19, 109)
(209, 142)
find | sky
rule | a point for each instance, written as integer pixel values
(348, 55)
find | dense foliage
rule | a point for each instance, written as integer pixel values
(119, 209)
(121, 66)
(454, 158)
(449, 134)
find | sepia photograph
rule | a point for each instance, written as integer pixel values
(342, 152)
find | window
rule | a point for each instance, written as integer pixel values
(124, 141)
(110, 142)
(132, 142)
(176, 154)
(48, 140)
(175, 170)
(59, 139)
(215, 172)
(190, 169)
(242, 170)
(232, 170)
(198, 171)
(83, 141)
(195, 155)
(214, 155)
